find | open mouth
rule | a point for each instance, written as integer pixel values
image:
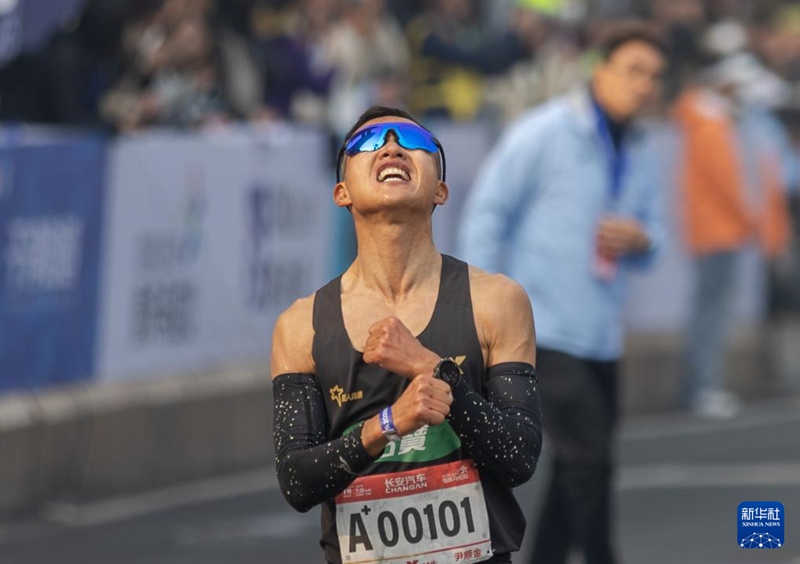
(393, 173)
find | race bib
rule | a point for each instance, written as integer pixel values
(434, 515)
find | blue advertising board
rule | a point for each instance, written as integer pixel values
(51, 202)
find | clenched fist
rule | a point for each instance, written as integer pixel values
(426, 401)
(391, 346)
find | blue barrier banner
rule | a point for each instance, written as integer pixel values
(51, 202)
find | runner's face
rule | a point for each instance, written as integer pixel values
(392, 173)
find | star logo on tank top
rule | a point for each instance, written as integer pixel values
(339, 396)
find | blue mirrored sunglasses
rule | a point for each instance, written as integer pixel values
(409, 136)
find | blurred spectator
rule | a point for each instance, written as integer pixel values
(181, 70)
(241, 83)
(289, 41)
(174, 76)
(733, 188)
(683, 22)
(451, 54)
(311, 60)
(18, 73)
(405, 10)
(725, 38)
(235, 15)
(64, 82)
(779, 42)
(184, 90)
(556, 66)
(10, 31)
(783, 304)
(370, 56)
(568, 190)
(613, 9)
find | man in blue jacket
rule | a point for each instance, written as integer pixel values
(566, 204)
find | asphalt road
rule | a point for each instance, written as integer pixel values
(680, 482)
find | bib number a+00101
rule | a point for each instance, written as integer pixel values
(435, 514)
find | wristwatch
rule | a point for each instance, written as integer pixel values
(448, 371)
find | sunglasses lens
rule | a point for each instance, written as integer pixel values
(368, 139)
(413, 137)
(372, 138)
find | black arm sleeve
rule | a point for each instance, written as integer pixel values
(502, 432)
(310, 468)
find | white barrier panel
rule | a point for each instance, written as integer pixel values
(209, 238)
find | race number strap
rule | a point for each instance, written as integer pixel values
(435, 514)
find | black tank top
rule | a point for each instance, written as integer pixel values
(355, 391)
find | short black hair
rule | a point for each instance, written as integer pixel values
(623, 32)
(376, 112)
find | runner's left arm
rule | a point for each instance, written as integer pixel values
(502, 431)
(501, 425)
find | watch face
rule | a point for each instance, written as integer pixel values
(448, 371)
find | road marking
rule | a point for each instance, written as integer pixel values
(121, 508)
(688, 476)
(763, 414)
(275, 526)
(643, 477)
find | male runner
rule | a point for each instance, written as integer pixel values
(406, 401)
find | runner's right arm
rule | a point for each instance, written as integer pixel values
(311, 469)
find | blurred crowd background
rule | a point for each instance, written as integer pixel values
(129, 64)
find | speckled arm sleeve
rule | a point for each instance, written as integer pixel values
(311, 469)
(502, 432)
